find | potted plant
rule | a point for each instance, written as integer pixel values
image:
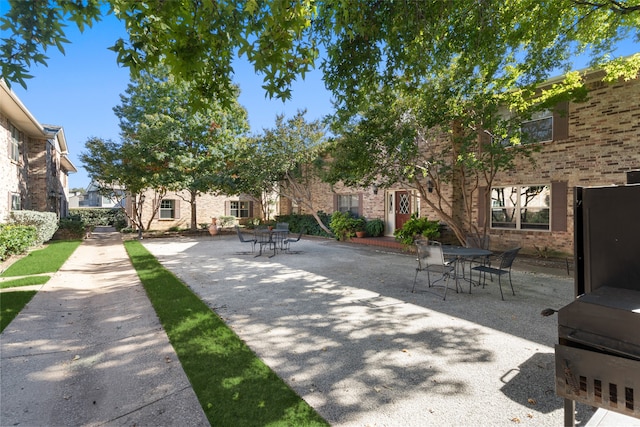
(343, 225)
(415, 228)
(359, 227)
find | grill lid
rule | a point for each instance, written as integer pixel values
(607, 318)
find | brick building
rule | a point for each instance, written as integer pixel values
(593, 143)
(34, 162)
(590, 144)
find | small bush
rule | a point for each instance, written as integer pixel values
(72, 228)
(16, 239)
(226, 221)
(417, 227)
(46, 223)
(306, 223)
(344, 225)
(375, 227)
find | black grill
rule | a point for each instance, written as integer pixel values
(598, 351)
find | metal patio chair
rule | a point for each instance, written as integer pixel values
(431, 260)
(504, 267)
(245, 240)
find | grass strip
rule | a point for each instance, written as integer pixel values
(46, 260)
(10, 305)
(24, 281)
(233, 385)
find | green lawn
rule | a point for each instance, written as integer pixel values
(46, 260)
(24, 281)
(10, 305)
(233, 385)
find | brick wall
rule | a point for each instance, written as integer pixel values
(603, 144)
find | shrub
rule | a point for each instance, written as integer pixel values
(46, 223)
(113, 217)
(226, 221)
(417, 227)
(306, 223)
(344, 225)
(375, 227)
(72, 228)
(16, 239)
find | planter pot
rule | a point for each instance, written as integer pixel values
(213, 227)
(361, 234)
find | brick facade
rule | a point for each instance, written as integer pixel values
(40, 176)
(603, 144)
(597, 145)
(207, 206)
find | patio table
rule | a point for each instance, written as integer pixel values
(273, 238)
(461, 254)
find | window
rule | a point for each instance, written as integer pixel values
(539, 128)
(168, 209)
(16, 137)
(348, 203)
(240, 209)
(521, 207)
(16, 202)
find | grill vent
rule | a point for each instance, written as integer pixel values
(597, 379)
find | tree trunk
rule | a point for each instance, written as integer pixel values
(194, 214)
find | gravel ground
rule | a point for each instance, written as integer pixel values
(340, 325)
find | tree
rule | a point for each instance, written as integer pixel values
(436, 96)
(451, 57)
(286, 159)
(156, 113)
(199, 39)
(116, 166)
(196, 39)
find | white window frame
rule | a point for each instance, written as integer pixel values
(537, 118)
(345, 203)
(167, 209)
(540, 203)
(240, 208)
(16, 139)
(16, 202)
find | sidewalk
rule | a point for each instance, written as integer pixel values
(89, 350)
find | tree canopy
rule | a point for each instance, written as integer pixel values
(367, 42)
(286, 160)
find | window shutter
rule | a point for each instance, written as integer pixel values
(484, 139)
(335, 202)
(482, 205)
(251, 209)
(176, 210)
(559, 206)
(227, 208)
(156, 212)
(360, 207)
(561, 121)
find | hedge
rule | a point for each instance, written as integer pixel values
(16, 239)
(46, 223)
(94, 217)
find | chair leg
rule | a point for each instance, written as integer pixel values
(500, 284)
(415, 279)
(446, 286)
(511, 283)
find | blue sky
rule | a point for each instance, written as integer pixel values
(78, 90)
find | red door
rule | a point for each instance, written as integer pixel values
(403, 208)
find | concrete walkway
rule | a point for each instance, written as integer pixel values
(89, 350)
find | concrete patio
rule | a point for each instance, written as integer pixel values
(339, 324)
